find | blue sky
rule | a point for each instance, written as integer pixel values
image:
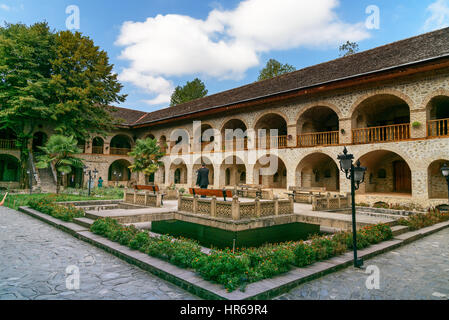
(156, 45)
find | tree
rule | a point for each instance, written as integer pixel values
(60, 151)
(147, 154)
(60, 78)
(25, 74)
(190, 91)
(348, 48)
(273, 69)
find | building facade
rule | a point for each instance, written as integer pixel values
(389, 106)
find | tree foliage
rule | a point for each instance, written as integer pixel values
(147, 154)
(273, 69)
(61, 79)
(60, 151)
(348, 48)
(190, 91)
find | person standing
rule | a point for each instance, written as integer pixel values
(202, 179)
(100, 182)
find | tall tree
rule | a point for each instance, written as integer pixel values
(60, 78)
(83, 85)
(60, 151)
(190, 91)
(25, 74)
(147, 154)
(273, 69)
(348, 48)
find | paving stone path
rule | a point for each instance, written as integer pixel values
(417, 271)
(34, 257)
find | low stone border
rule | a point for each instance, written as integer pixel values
(264, 289)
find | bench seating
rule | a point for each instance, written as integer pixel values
(211, 192)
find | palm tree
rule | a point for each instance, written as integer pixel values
(60, 150)
(146, 154)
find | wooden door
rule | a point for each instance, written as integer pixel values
(402, 177)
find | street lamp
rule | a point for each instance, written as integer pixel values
(357, 176)
(89, 173)
(117, 176)
(445, 173)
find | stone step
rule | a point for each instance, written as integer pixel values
(98, 207)
(84, 222)
(397, 230)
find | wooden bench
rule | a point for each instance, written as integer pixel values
(211, 192)
(154, 189)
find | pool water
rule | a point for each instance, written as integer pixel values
(219, 238)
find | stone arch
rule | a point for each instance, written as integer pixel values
(270, 171)
(119, 171)
(9, 168)
(437, 115)
(209, 165)
(437, 185)
(178, 172)
(232, 171)
(268, 121)
(387, 172)
(329, 105)
(121, 144)
(97, 145)
(267, 113)
(391, 92)
(179, 141)
(239, 138)
(318, 170)
(39, 140)
(318, 125)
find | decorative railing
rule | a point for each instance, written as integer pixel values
(120, 151)
(438, 128)
(97, 150)
(397, 132)
(8, 144)
(271, 142)
(318, 139)
(237, 144)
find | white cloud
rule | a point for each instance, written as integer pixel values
(439, 15)
(228, 42)
(5, 7)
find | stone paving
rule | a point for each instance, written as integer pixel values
(417, 271)
(34, 257)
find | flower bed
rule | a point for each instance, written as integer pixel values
(422, 220)
(236, 269)
(47, 206)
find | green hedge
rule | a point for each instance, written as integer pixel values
(47, 206)
(236, 269)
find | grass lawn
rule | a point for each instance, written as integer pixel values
(14, 201)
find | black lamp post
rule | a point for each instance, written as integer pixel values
(117, 176)
(445, 173)
(89, 173)
(357, 176)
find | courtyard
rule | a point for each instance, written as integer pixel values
(35, 257)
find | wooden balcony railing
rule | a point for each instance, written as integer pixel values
(8, 144)
(237, 144)
(397, 132)
(120, 151)
(279, 142)
(318, 139)
(97, 150)
(438, 128)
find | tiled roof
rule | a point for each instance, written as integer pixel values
(412, 50)
(128, 116)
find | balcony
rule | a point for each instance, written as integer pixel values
(120, 151)
(397, 132)
(8, 144)
(97, 150)
(279, 142)
(237, 145)
(438, 128)
(330, 138)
